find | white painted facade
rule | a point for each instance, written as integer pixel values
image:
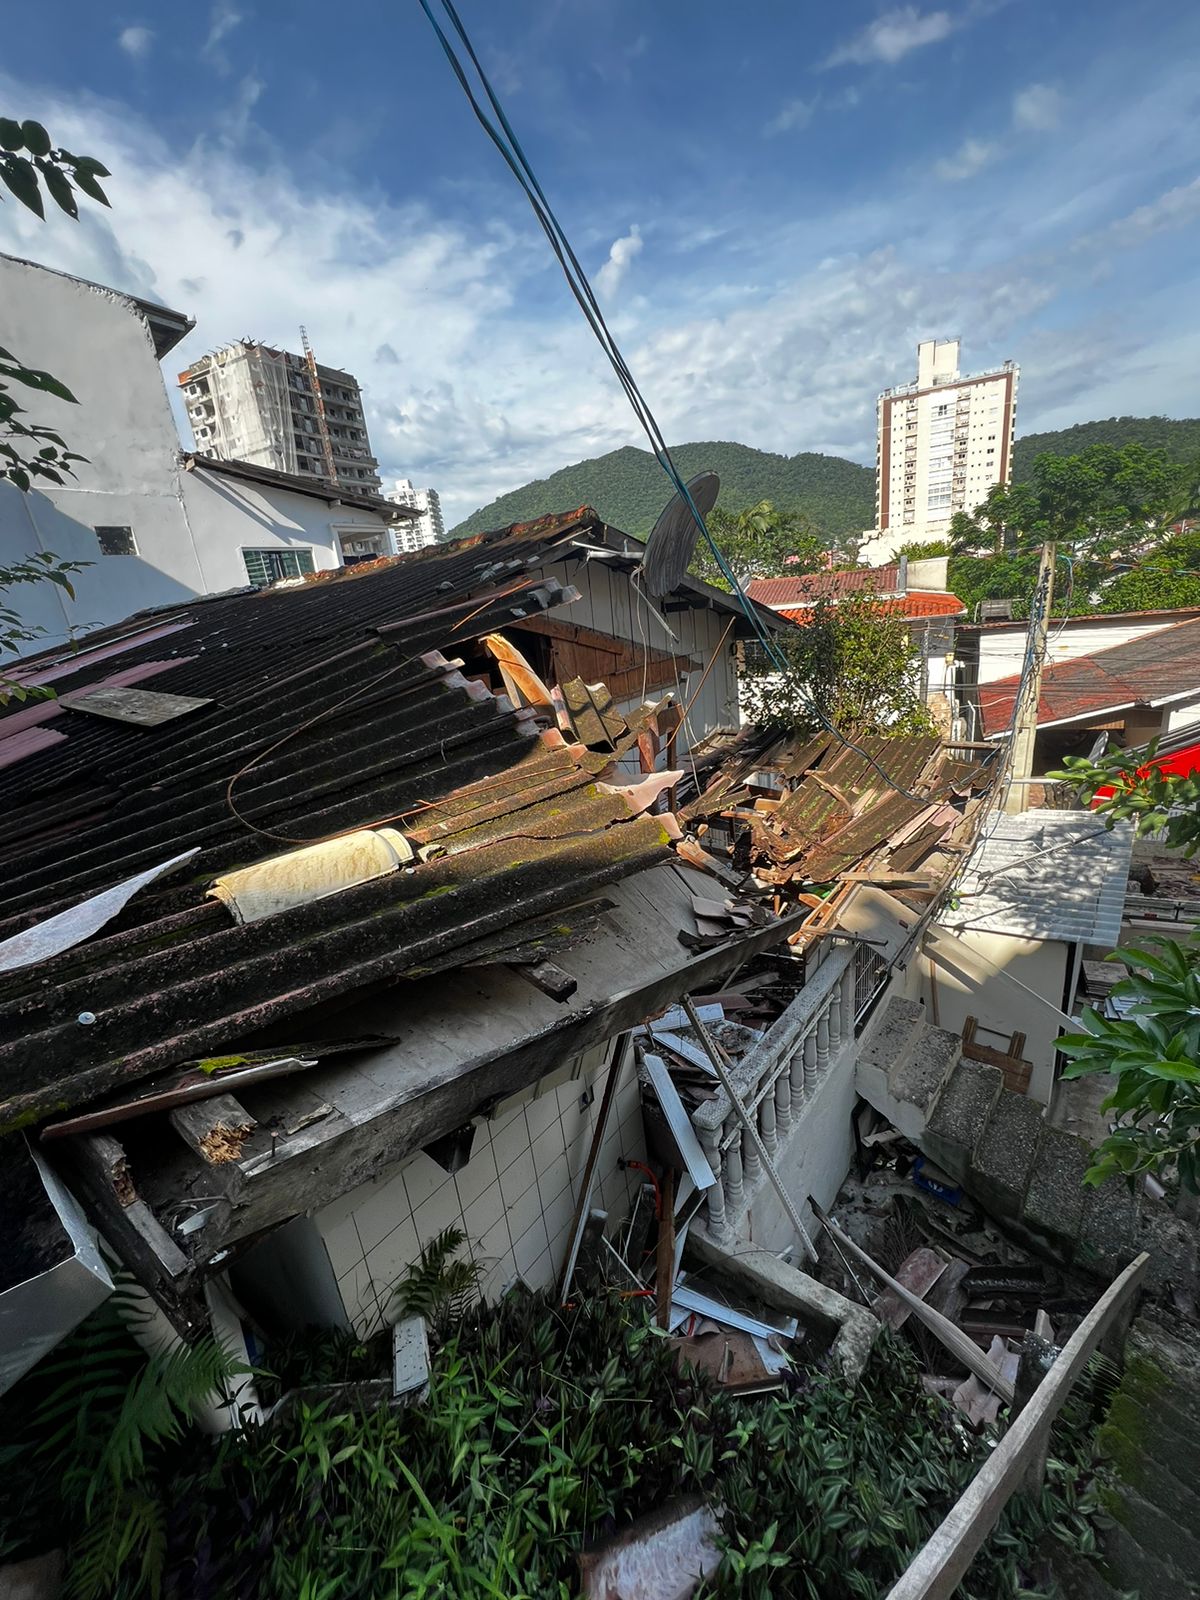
(943, 441)
(187, 530)
(1002, 645)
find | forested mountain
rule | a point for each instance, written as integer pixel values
(629, 488)
(1181, 440)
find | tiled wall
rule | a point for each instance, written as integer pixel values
(514, 1199)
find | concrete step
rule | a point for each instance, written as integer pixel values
(1005, 1153)
(1055, 1196)
(919, 1075)
(1159, 1542)
(1130, 1566)
(1153, 1459)
(1081, 1579)
(893, 1035)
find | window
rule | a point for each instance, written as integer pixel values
(268, 566)
(116, 541)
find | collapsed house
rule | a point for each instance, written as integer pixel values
(377, 854)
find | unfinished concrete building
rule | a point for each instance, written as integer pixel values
(273, 408)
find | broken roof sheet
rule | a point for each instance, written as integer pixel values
(1046, 875)
(333, 707)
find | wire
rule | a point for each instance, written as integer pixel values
(508, 144)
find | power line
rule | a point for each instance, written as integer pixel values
(508, 144)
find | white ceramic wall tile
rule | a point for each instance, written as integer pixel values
(556, 1179)
(423, 1178)
(524, 1212)
(493, 1249)
(484, 1212)
(541, 1113)
(558, 1213)
(390, 1260)
(382, 1206)
(509, 1142)
(548, 1146)
(439, 1212)
(519, 1175)
(478, 1174)
(531, 1253)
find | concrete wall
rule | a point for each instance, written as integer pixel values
(228, 515)
(1001, 1008)
(97, 343)
(514, 1199)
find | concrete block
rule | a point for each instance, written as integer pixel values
(896, 1030)
(1108, 1237)
(918, 1076)
(1006, 1151)
(1055, 1197)
(774, 1283)
(966, 1103)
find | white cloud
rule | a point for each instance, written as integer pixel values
(136, 42)
(793, 114)
(620, 258)
(1174, 209)
(1037, 109)
(970, 157)
(891, 36)
(223, 19)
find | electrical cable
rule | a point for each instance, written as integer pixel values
(509, 146)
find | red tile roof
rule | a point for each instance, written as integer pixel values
(802, 591)
(1154, 667)
(908, 607)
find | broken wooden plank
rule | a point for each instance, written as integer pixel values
(216, 1129)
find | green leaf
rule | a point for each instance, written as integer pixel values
(37, 140)
(1174, 1071)
(87, 182)
(11, 137)
(89, 164)
(60, 189)
(21, 178)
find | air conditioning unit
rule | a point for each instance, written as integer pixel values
(996, 610)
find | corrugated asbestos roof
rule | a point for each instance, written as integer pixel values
(1047, 875)
(333, 706)
(1138, 672)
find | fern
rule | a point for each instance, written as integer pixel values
(441, 1284)
(107, 1411)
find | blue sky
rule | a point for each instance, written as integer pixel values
(775, 200)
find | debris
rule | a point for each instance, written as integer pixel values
(918, 1273)
(298, 877)
(954, 1339)
(550, 978)
(410, 1357)
(72, 927)
(215, 1129)
(692, 1159)
(665, 1249)
(734, 1360)
(936, 1182)
(665, 1555)
(685, 1299)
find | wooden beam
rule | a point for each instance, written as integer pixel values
(939, 1567)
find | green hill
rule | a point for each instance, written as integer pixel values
(1181, 440)
(629, 488)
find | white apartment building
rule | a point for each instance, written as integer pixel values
(152, 526)
(251, 402)
(943, 442)
(428, 527)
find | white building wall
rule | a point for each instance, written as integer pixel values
(1002, 649)
(1181, 713)
(515, 1199)
(227, 515)
(98, 344)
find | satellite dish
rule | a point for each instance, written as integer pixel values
(673, 538)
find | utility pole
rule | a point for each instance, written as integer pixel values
(1020, 764)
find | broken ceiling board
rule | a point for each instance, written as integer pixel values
(693, 1161)
(143, 708)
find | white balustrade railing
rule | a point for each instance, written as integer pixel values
(775, 1080)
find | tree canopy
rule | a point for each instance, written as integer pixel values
(1108, 508)
(759, 542)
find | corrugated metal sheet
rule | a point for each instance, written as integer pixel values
(1047, 875)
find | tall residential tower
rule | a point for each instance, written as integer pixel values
(944, 441)
(251, 402)
(428, 526)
